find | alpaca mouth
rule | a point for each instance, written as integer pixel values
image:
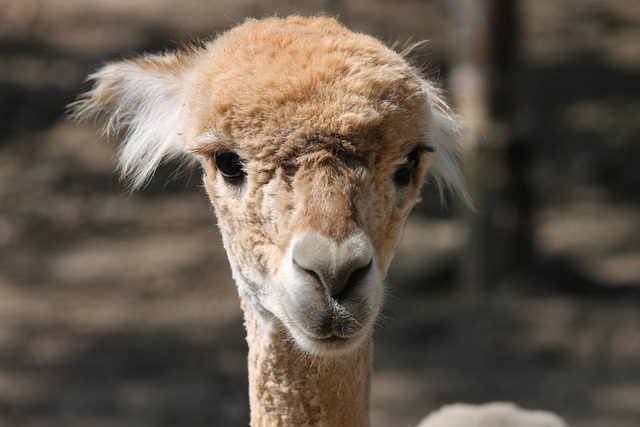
(334, 336)
(332, 339)
(337, 323)
(324, 342)
(329, 332)
(332, 344)
(323, 326)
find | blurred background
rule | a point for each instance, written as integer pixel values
(118, 309)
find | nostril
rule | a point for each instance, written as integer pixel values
(351, 282)
(314, 275)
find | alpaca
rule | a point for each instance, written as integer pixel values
(497, 414)
(314, 142)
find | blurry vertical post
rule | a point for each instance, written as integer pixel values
(487, 85)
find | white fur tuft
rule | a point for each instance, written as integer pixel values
(145, 100)
(496, 414)
(445, 131)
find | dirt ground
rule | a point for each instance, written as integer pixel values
(118, 309)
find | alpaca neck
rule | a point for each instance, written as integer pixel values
(289, 388)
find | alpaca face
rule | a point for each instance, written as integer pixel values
(314, 142)
(312, 170)
(310, 238)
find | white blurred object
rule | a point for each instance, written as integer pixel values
(497, 414)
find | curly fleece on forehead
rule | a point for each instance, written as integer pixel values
(273, 78)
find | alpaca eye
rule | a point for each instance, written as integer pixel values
(230, 166)
(405, 171)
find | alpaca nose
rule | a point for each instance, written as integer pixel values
(340, 267)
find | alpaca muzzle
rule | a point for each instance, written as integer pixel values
(332, 291)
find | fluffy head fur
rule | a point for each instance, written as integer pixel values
(331, 134)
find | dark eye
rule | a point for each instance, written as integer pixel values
(405, 171)
(230, 166)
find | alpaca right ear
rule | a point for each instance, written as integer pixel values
(447, 133)
(143, 99)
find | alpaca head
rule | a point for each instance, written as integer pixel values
(314, 142)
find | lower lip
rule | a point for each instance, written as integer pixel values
(334, 342)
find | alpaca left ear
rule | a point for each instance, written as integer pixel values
(144, 99)
(446, 132)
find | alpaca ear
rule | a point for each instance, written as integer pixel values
(143, 100)
(446, 132)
